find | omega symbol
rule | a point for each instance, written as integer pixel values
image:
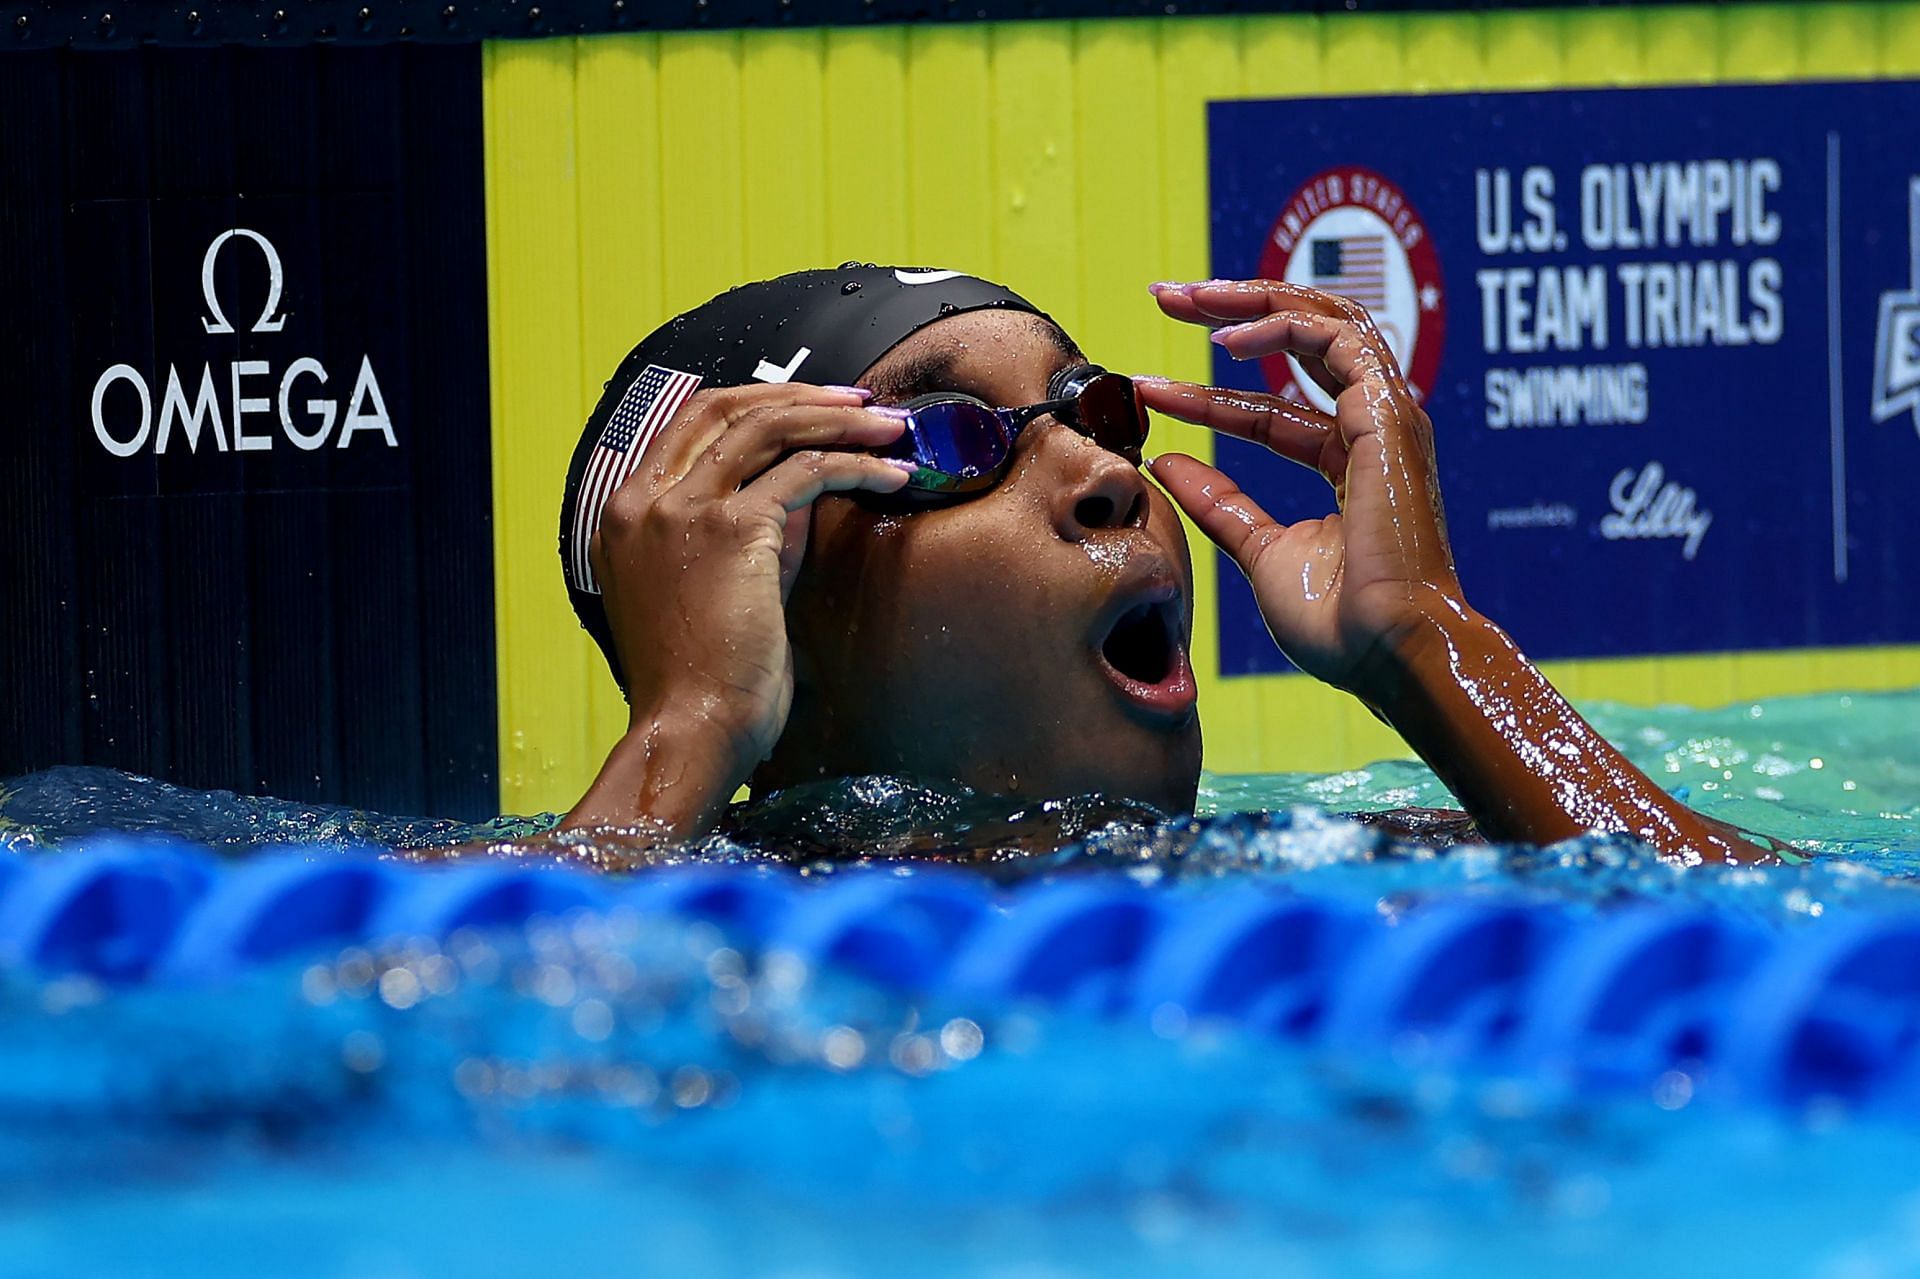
(268, 322)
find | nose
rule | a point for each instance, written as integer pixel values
(1101, 490)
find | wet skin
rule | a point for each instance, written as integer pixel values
(772, 630)
(964, 641)
(769, 629)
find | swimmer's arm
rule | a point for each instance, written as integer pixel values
(1519, 758)
(665, 782)
(669, 778)
(1368, 599)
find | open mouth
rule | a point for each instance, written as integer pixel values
(1141, 644)
(1145, 658)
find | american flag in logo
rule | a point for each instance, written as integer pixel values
(1353, 266)
(648, 405)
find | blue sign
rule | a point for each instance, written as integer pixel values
(1669, 340)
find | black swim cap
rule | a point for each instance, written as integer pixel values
(823, 327)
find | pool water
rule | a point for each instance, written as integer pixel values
(617, 1095)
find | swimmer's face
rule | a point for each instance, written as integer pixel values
(1032, 640)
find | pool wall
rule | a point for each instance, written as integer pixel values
(632, 176)
(312, 623)
(244, 477)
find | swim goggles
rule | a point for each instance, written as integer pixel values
(963, 446)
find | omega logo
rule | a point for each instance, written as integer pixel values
(308, 429)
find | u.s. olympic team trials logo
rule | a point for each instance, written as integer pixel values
(1352, 232)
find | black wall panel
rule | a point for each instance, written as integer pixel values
(285, 587)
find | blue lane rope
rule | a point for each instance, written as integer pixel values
(1575, 999)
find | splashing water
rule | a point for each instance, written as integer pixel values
(599, 1095)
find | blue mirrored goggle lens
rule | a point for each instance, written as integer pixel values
(964, 441)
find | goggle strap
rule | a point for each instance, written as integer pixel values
(1019, 418)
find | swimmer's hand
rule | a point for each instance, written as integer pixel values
(1367, 598)
(696, 555)
(1341, 591)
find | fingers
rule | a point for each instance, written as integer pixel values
(776, 503)
(1217, 303)
(761, 436)
(799, 480)
(1231, 520)
(1178, 302)
(1297, 432)
(1229, 301)
(1348, 351)
(708, 414)
(1243, 337)
(1227, 306)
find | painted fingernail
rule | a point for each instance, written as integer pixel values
(1219, 336)
(1164, 286)
(901, 464)
(1151, 379)
(888, 411)
(1188, 289)
(860, 391)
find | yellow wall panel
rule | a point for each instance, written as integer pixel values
(1117, 160)
(1037, 249)
(1443, 54)
(1899, 40)
(1601, 48)
(783, 185)
(867, 108)
(1679, 45)
(1840, 41)
(948, 166)
(533, 237)
(632, 176)
(1361, 54)
(1281, 56)
(1760, 43)
(702, 143)
(1525, 51)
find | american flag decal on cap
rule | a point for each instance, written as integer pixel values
(648, 405)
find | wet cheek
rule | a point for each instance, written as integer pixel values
(988, 593)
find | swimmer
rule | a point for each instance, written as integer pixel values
(885, 521)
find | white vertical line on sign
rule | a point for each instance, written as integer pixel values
(1835, 402)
